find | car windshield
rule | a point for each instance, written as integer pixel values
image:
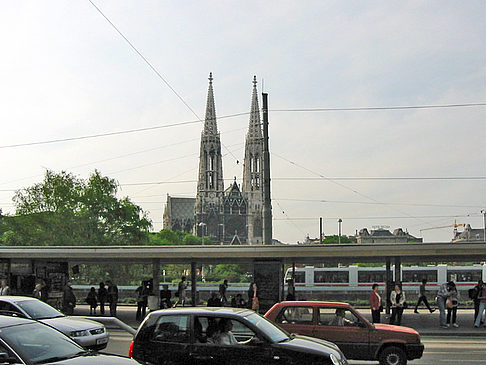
(39, 310)
(274, 333)
(37, 343)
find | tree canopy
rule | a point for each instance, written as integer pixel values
(66, 210)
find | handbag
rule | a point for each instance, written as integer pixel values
(449, 304)
(380, 308)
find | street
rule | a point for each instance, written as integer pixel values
(443, 350)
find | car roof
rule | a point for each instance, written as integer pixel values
(7, 321)
(15, 298)
(205, 310)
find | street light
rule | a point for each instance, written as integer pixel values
(484, 224)
(202, 225)
(339, 223)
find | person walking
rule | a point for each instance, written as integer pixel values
(290, 290)
(423, 298)
(181, 290)
(112, 297)
(165, 297)
(482, 306)
(442, 296)
(4, 289)
(375, 303)
(451, 303)
(68, 299)
(102, 295)
(397, 299)
(92, 300)
(37, 293)
(255, 303)
(474, 294)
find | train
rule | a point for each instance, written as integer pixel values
(357, 278)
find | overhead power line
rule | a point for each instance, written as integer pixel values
(377, 217)
(371, 108)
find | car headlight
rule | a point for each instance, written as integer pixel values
(334, 359)
(79, 333)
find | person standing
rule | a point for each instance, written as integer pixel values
(453, 299)
(68, 299)
(92, 300)
(422, 298)
(4, 289)
(375, 303)
(165, 297)
(397, 298)
(222, 292)
(290, 290)
(482, 305)
(181, 290)
(442, 296)
(255, 304)
(142, 300)
(37, 293)
(112, 297)
(102, 295)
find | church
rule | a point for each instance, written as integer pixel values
(231, 215)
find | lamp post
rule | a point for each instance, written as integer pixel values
(202, 225)
(484, 224)
(339, 224)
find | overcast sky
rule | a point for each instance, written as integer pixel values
(65, 72)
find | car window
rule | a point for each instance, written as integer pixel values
(37, 309)
(296, 315)
(6, 306)
(210, 330)
(337, 317)
(270, 330)
(6, 353)
(172, 329)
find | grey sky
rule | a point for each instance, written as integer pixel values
(66, 73)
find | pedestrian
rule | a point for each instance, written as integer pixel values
(68, 299)
(37, 293)
(4, 289)
(222, 292)
(214, 300)
(102, 296)
(423, 298)
(442, 296)
(375, 303)
(142, 299)
(165, 297)
(482, 306)
(474, 294)
(112, 297)
(238, 301)
(181, 292)
(397, 299)
(451, 303)
(92, 300)
(255, 303)
(290, 290)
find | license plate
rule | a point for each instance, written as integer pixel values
(101, 341)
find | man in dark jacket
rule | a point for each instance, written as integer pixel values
(112, 297)
(68, 299)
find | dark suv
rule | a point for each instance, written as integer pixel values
(224, 336)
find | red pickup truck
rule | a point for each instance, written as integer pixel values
(357, 338)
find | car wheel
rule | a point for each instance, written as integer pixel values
(393, 355)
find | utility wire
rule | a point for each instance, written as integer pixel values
(380, 108)
(384, 217)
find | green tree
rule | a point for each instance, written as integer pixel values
(335, 239)
(66, 210)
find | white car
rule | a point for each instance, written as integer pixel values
(89, 334)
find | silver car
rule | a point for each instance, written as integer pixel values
(89, 334)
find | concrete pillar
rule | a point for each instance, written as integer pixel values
(388, 279)
(156, 280)
(193, 284)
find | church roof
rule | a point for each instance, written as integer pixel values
(210, 126)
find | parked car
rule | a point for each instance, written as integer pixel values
(357, 338)
(224, 336)
(89, 334)
(25, 341)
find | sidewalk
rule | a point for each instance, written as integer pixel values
(427, 324)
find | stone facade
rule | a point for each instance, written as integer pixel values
(469, 235)
(385, 236)
(179, 214)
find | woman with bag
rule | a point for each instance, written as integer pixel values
(397, 299)
(442, 296)
(451, 304)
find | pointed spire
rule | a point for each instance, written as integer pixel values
(255, 128)
(210, 126)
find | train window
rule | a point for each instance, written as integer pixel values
(371, 276)
(331, 276)
(464, 275)
(416, 276)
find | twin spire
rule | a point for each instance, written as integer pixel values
(210, 126)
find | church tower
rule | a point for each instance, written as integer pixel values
(210, 189)
(252, 172)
